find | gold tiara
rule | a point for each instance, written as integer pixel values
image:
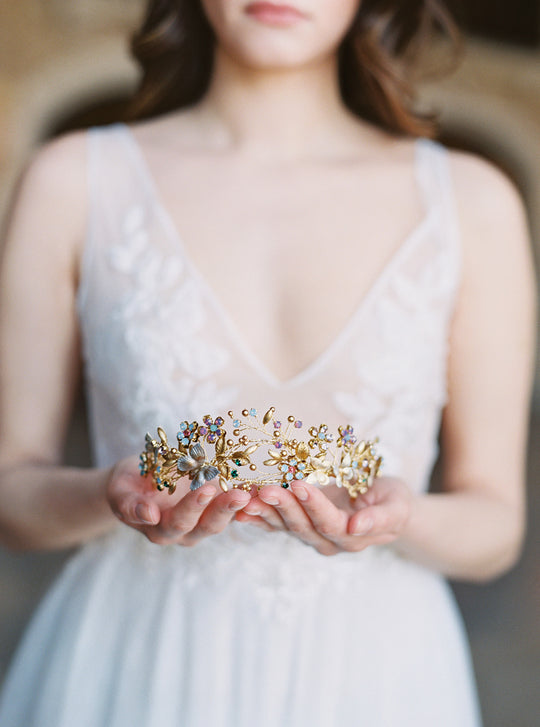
(354, 464)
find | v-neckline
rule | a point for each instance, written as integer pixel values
(318, 362)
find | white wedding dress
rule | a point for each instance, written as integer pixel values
(248, 628)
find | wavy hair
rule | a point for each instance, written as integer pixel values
(376, 59)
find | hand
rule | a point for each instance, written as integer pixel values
(328, 519)
(184, 518)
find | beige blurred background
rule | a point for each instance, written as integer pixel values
(64, 64)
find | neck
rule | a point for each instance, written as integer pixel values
(277, 113)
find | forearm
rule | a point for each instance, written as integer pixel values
(464, 535)
(48, 507)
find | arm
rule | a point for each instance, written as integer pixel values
(44, 504)
(473, 530)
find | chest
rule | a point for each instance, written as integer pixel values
(289, 251)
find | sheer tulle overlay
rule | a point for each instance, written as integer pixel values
(248, 628)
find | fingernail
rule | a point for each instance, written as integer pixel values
(363, 527)
(204, 499)
(270, 500)
(300, 492)
(236, 505)
(252, 510)
(142, 514)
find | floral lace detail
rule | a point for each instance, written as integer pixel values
(164, 370)
(399, 371)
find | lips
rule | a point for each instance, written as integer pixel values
(274, 13)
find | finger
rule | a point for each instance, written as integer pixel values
(183, 517)
(133, 509)
(253, 520)
(294, 516)
(217, 515)
(259, 508)
(374, 521)
(327, 519)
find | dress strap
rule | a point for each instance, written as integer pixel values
(92, 185)
(436, 180)
(115, 196)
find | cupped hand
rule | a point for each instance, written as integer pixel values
(327, 519)
(184, 518)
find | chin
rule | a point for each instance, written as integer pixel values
(278, 54)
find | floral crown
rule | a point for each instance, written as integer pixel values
(354, 464)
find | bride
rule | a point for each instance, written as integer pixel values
(277, 229)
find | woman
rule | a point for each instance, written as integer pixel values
(283, 234)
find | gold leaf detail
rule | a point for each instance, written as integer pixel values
(241, 457)
(223, 484)
(224, 469)
(162, 435)
(251, 449)
(220, 444)
(269, 414)
(302, 451)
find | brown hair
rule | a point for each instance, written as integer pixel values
(175, 44)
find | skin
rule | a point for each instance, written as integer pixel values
(273, 135)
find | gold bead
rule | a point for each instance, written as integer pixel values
(253, 467)
(230, 413)
(236, 432)
(245, 412)
(291, 419)
(230, 442)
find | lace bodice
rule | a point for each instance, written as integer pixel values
(159, 348)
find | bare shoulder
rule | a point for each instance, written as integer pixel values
(498, 276)
(490, 206)
(58, 164)
(51, 197)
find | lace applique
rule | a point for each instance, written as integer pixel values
(163, 370)
(399, 369)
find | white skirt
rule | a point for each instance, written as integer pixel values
(247, 629)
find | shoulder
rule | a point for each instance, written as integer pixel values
(488, 201)
(498, 263)
(492, 219)
(57, 164)
(54, 178)
(48, 213)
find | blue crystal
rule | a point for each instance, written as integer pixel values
(289, 476)
(236, 423)
(322, 435)
(301, 466)
(185, 441)
(213, 428)
(300, 475)
(253, 412)
(284, 468)
(293, 461)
